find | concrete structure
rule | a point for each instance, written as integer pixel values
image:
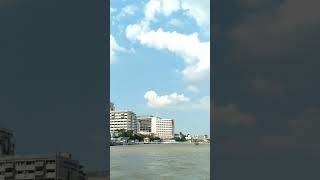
(151, 125)
(57, 166)
(164, 128)
(144, 124)
(6, 142)
(122, 120)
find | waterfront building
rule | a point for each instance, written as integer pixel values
(7, 146)
(122, 120)
(164, 128)
(151, 125)
(59, 166)
(144, 124)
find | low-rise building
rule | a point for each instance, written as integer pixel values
(59, 166)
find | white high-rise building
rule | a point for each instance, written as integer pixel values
(163, 128)
(122, 120)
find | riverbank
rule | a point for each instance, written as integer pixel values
(139, 143)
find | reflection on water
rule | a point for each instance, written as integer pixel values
(160, 161)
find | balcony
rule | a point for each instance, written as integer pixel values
(30, 167)
(51, 175)
(39, 173)
(20, 167)
(8, 165)
(20, 176)
(8, 174)
(39, 164)
(50, 166)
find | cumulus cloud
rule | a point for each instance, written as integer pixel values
(156, 101)
(202, 104)
(169, 6)
(128, 10)
(199, 10)
(114, 47)
(176, 22)
(152, 7)
(195, 53)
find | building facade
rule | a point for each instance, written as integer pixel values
(144, 124)
(57, 166)
(164, 128)
(122, 120)
(7, 146)
(151, 125)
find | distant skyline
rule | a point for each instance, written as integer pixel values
(160, 60)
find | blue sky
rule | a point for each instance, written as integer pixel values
(160, 57)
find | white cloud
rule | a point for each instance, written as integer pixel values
(196, 54)
(156, 101)
(169, 6)
(199, 10)
(128, 10)
(152, 7)
(176, 22)
(114, 47)
(202, 104)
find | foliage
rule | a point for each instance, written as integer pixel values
(135, 136)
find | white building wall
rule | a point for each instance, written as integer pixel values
(122, 120)
(163, 128)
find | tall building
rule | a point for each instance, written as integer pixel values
(59, 166)
(144, 124)
(162, 128)
(6, 142)
(122, 120)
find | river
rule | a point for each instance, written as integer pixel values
(160, 162)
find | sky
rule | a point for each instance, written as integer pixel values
(53, 74)
(160, 60)
(266, 89)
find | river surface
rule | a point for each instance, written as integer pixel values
(160, 162)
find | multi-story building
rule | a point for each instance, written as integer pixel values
(59, 166)
(151, 125)
(122, 120)
(144, 124)
(164, 128)
(6, 142)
